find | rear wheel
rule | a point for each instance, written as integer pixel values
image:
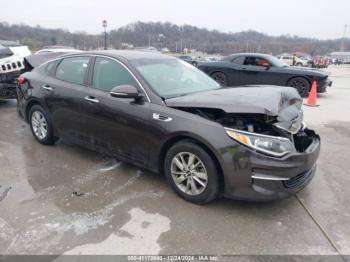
(220, 77)
(40, 124)
(192, 172)
(301, 85)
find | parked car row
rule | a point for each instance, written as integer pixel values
(165, 115)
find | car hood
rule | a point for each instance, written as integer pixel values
(282, 102)
(305, 71)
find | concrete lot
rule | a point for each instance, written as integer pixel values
(64, 199)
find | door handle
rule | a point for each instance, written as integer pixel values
(244, 68)
(91, 99)
(47, 87)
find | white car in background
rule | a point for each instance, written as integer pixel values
(57, 49)
(288, 59)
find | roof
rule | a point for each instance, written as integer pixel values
(131, 54)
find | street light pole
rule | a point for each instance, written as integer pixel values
(104, 24)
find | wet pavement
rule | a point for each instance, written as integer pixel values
(63, 199)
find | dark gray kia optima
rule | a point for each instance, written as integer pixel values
(165, 115)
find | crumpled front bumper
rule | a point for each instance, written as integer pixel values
(250, 175)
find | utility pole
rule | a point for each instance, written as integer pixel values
(104, 24)
(342, 47)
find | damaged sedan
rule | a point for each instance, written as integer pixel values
(165, 115)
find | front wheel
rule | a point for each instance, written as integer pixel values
(40, 124)
(192, 172)
(301, 85)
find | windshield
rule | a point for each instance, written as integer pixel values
(277, 62)
(173, 77)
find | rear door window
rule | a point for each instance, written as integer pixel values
(73, 69)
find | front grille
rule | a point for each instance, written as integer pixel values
(298, 180)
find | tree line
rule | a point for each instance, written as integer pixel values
(171, 36)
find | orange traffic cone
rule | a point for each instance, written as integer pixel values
(312, 99)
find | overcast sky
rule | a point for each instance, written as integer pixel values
(311, 18)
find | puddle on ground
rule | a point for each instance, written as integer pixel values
(138, 236)
(43, 213)
(40, 236)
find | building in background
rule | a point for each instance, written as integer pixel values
(342, 56)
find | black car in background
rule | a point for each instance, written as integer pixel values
(262, 69)
(162, 114)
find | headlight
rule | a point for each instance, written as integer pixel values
(275, 146)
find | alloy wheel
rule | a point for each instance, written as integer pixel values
(189, 173)
(39, 125)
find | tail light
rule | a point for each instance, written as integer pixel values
(21, 80)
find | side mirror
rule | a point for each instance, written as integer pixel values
(267, 66)
(125, 91)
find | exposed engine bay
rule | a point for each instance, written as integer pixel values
(271, 111)
(299, 135)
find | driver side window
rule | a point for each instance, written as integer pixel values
(109, 74)
(256, 61)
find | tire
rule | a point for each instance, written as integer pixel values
(301, 85)
(221, 78)
(299, 64)
(195, 64)
(41, 125)
(206, 185)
